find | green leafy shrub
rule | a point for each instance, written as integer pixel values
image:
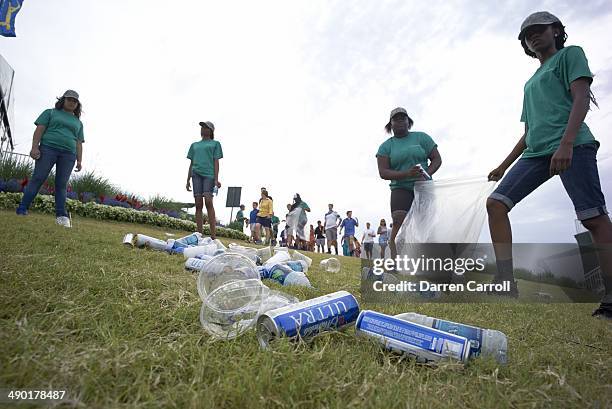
(46, 204)
(91, 183)
(15, 167)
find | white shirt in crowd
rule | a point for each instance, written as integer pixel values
(331, 220)
(369, 235)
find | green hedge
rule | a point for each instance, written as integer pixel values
(46, 204)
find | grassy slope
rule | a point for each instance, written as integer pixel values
(120, 328)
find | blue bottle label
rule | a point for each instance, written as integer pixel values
(473, 334)
(399, 332)
(295, 265)
(279, 272)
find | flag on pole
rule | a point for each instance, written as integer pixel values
(8, 12)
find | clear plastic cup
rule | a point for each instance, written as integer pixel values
(276, 299)
(224, 268)
(330, 265)
(232, 308)
(264, 253)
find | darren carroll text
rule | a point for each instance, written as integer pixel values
(410, 286)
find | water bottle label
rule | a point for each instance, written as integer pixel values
(279, 273)
(398, 332)
(295, 265)
(473, 334)
(263, 272)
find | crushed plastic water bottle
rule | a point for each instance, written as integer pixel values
(232, 308)
(190, 240)
(278, 258)
(196, 264)
(248, 252)
(486, 342)
(207, 249)
(140, 240)
(224, 268)
(297, 265)
(299, 256)
(330, 265)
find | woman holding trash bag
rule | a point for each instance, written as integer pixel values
(58, 140)
(203, 172)
(556, 141)
(298, 212)
(398, 159)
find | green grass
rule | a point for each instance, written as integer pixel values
(119, 328)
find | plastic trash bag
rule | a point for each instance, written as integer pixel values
(446, 211)
(297, 220)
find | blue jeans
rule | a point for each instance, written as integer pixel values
(581, 182)
(202, 185)
(64, 163)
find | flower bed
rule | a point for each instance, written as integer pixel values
(46, 204)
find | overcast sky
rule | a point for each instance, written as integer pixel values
(299, 92)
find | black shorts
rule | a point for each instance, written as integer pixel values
(264, 221)
(401, 199)
(368, 247)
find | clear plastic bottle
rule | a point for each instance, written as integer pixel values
(196, 264)
(277, 258)
(330, 265)
(207, 249)
(488, 342)
(299, 256)
(191, 240)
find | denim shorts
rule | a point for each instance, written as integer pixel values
(264, 221)
(581, 182)
(202, 185)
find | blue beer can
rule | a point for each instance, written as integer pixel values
(308, 318)
(424, 343)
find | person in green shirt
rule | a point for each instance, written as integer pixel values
(240, 217)
(275, 223)
(556, 141)
(398, 160)
(203, 172)
(58, 141)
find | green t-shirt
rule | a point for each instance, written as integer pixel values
(275, 220)
(62, 129)
(240, 216)
(304, 205)
(203, 155)
(547, 102)
(406, 152)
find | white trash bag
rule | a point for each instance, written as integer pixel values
(446, 211)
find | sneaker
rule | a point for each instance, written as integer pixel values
(604, 311)
(63, 221)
